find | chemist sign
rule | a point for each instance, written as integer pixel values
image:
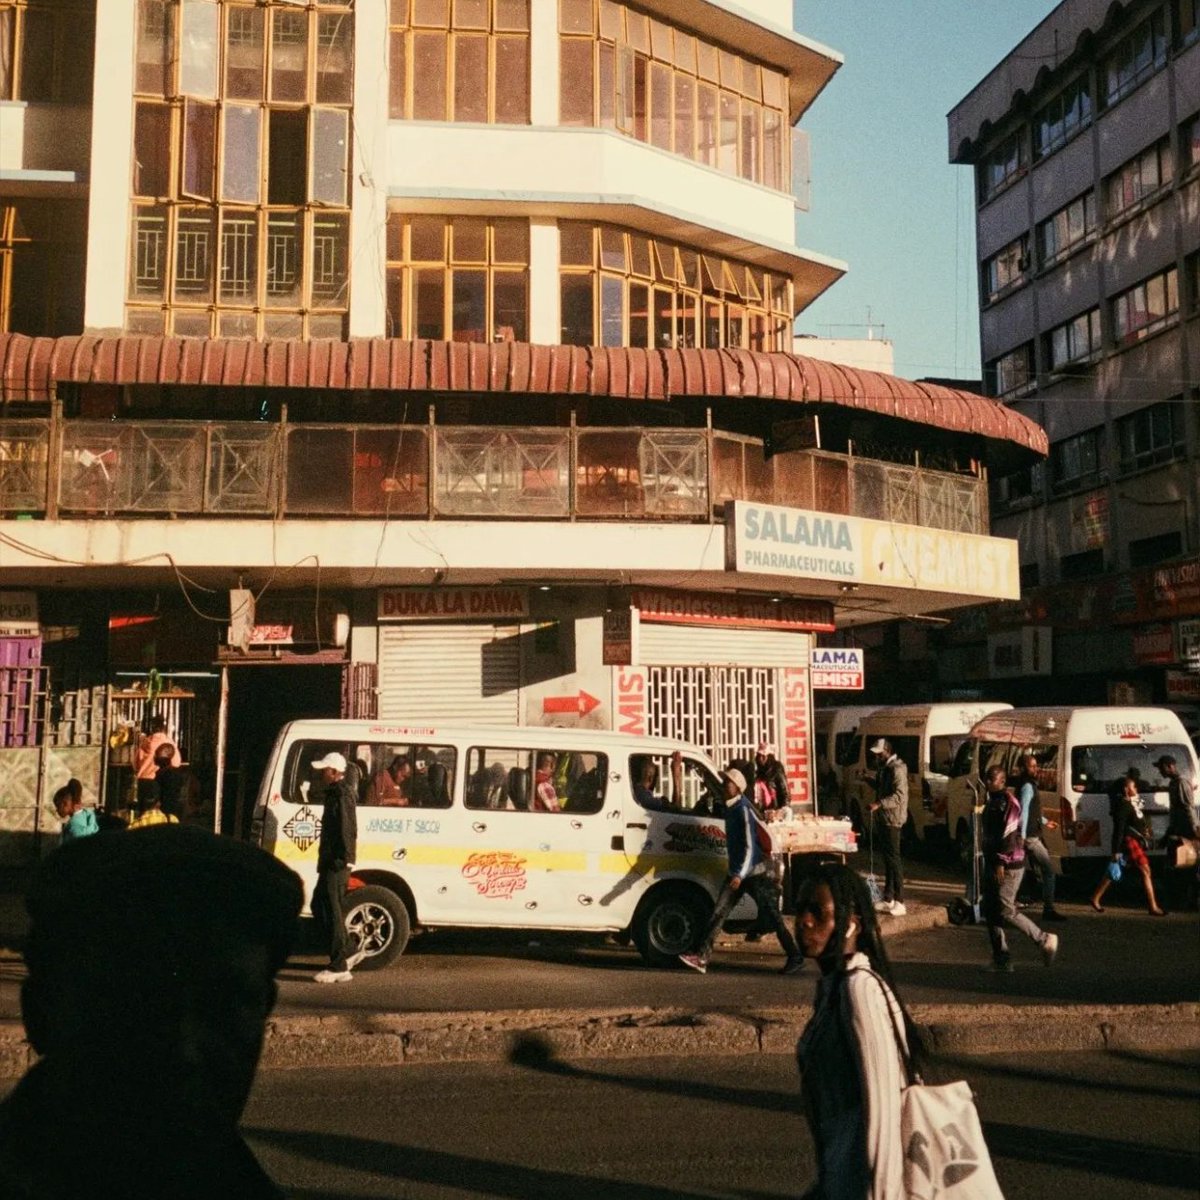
(837, 667)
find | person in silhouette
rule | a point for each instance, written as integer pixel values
(151, 972)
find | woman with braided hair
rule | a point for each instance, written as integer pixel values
(849, 1054)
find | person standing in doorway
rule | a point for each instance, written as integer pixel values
(744, 838)
(145, 762)
(335, 857)
(887, 814)
(1032, 824)
(1003, 867)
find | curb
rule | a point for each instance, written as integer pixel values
(395, 1039)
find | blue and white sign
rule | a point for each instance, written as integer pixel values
(768, 539)
(839, 667)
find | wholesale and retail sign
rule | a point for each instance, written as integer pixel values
(837, 667)
(453, 603)
(675, 607)
(767, 539)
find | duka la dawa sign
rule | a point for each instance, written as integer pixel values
(453, 603)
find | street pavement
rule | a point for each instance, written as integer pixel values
(1096, 1125)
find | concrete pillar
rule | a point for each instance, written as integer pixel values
(368, 172)
(111, 167)
(545, 326)
(543, 63)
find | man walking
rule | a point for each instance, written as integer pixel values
(336, 849)
(1032, 824)
(744, 835)
(1182, 826)
(1003, 867)
(887, 814)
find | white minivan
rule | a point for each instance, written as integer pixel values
(927, 737)
(526, 828)
(834, 749)
(1082, 755)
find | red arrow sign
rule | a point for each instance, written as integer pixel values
(582, 704)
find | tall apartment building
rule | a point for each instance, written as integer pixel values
(435, 364)
(1085, 145)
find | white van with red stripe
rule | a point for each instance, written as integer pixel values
(1082, 755)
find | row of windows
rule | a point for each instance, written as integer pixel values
(47, 49)
(620, 69)
(1134, 314)
(1138, 55)
(1135, 181)
(1149, 437)
(280, 53)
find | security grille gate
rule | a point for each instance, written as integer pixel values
(725, 711)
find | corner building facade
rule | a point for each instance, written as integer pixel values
(427, 361)
(1085, 144)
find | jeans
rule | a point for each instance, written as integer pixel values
(329, 908)
(1036, 853)
(1000, 910)
(886, 839)
(760, 887)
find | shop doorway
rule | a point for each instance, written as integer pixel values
(261, 700)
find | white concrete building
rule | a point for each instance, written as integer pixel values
(458, 335)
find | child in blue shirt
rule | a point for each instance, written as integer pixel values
(77, 820)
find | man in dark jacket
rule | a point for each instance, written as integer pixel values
(769, 770)
(889, 811)
(335, 857)
(1182, 826)
(744, 838)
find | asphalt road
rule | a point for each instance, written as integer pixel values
(1100, 1126)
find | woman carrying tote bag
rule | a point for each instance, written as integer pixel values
(880, 1134)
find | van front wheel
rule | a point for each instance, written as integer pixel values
(378, 924)
(669, 923)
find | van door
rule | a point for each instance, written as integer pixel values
(667, 830)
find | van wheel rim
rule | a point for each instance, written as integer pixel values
(371, 927)
(672, 929)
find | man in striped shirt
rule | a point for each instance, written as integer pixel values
(746, 842)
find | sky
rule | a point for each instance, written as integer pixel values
(885, 199)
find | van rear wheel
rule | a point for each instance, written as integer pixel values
(668, 923)
(378, 924)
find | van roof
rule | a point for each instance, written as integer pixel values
(535, 736)
(1033, 721)
(944, 707)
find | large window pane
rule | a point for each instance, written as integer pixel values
(510, 241)
(148, 261)
(428, 239)
(469, 306)
(194, 255)
(288, 154)
(685, 116)
(429, 76)
(239, 259)
(429, 304)
(639, 314)
(727, 157)
(612, 311)
(198, 49)
(330, 259)
(285, 238)
(245, 54)
(335, 58)
(510, 306)
(37, 55)
(289, 55)
(151, 150)
(660, 106)
(155, 47)
(241, 168)
(470, 77)
(575, 82)
(397, 74)
(512, 80)
(199, 149)
(330, 155)
(577, 310)
(706, 125)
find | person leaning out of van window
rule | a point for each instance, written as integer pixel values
(888, 813)
(1130, 840)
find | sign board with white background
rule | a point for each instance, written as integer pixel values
(839, 667)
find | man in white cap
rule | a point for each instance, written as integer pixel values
(745, 836)
(336, 849)
(888, 813)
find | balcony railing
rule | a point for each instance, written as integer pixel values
(88, 468)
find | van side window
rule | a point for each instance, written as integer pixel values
(384, 774)
(962, 761)
(943, 752)
(301, 784)
(531, 780)
(1047, 758)
(652, 786)
(845, 749)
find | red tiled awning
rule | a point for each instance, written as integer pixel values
(30, 369)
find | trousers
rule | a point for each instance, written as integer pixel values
(1000, 911)
(1036, 853)
(760, 887)
(329, 907)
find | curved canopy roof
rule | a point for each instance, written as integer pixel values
(30, 368)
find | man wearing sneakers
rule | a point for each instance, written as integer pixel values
(888, 813)
(745, 835)
(1003, 867)
(335, 856)
(1032, 824)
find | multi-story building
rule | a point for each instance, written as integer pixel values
(436, 364)
(1085, 144)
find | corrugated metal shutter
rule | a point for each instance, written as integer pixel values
(466, 674)
(701, 645)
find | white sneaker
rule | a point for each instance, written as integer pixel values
(694, 962)
(1049, 948)
(898, 909)
(355, 959)
(884, 906)
(328, 976)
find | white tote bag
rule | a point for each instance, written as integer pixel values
(945, 1156)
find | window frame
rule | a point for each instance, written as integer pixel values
(1126, 331)
(1157, 419)
(1006, 270)
(1086, 203)
(1053, 125)
(1151, 33)
(480, 758)
(1087, 449)
(1083, 338)
(1133, 178)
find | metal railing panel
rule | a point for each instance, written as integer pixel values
(502, 472)
(243, 468)
(674, 467)
(24, 465)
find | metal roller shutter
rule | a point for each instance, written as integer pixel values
(700, 645)
(465, 674)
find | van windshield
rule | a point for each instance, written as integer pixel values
(1100, 768)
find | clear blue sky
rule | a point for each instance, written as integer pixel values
(885, 199)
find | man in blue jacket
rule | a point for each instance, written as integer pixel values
(745, 836)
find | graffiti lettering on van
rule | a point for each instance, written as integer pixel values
(402, 825)
(496, 874)
(681, 838)
(303, 828)
(1132, 730)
